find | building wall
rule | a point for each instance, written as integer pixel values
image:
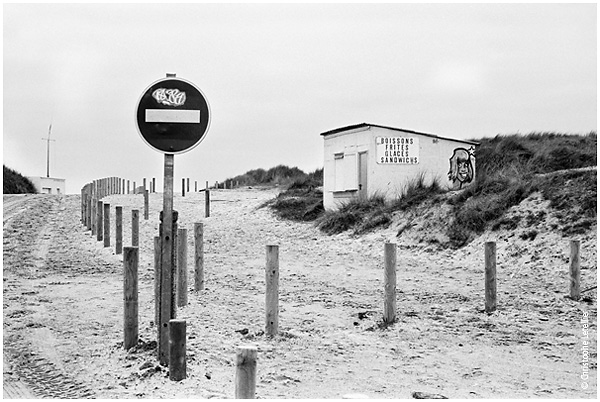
(422, 155)
(48, 185)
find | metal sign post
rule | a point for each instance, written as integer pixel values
(173, 117)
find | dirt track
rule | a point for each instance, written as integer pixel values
(63, 310)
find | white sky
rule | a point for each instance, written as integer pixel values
(278, 75)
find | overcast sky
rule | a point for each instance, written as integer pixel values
(276, 76)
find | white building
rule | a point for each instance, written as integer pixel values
(48, 185)
(365, 159)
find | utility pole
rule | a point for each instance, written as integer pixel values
(48, 151)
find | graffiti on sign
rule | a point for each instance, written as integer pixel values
(461, 167)
(397, 150)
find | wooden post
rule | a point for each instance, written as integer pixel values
(199, 256)
(182, 268)
(144, 184)
(177, 340)
(128, 189)
(245, 372)
(154, 184)
(146, 204)
(490, 277)
(130, 296)
(156, 279)
(118, 230)
(207, 203)
(188, 184)
(195, 186)
(99, 221)
(135, 227)
(166, 241)
(575, 270)
(182, 187)
(389, 305)
(272, 292)
(106, 225)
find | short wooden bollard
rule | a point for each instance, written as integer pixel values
(490, 277)
(575, 270)
(135, 227)
(389, 304)
(198, 256)
(154, 184)
(130, 296)
(182, 281)
(118, 230)
(106, 225)
(177, 340)
(99, 230)
(146, 205)
(183, 187)
(245, 372)
(272, 291)
(157, 259)
(188, 184)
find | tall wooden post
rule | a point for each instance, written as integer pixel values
(154, 184)
(199, 256)
(188, 184)
(195, 186)
(144, 184)
(490, 277)
(166, 242)
(135, 227)
(207, 202)
(575, 270)
(118, 230)
(146, 204)
(245, 372)
(130, 296)
(272, 291)
(106, 225)
(182, 267)
(389, 305)
(182, 187)
(128, 189)
(99, 231)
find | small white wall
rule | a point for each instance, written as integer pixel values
(389, 180)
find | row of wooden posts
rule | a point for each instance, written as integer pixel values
(246, 355)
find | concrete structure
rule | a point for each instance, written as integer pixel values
(365, 159)
(48, 185)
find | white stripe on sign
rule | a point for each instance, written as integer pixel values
(172, 116)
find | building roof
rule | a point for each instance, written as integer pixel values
(361, 125)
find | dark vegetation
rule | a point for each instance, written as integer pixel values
(279, 175)
(509, 169)
(15, 183)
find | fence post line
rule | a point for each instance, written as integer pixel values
(245, 372)
(272, 291)
(118, 230)
(130, 296)
(99, 220)
(106, 225)
(490, 277)
(389, 305)
(177, 340)
(182, 281)
(146, 204)
(575, 270)
(157, 256)
(199, 256)
(135, 227)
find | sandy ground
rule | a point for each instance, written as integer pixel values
(63, 308)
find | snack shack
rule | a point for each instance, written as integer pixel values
(365, 159)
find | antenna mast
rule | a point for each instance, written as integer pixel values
(48, 151)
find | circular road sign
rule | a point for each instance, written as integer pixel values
(172, 115)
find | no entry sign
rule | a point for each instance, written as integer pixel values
(173, 115)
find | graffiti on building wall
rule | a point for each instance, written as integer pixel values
(461, 167)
